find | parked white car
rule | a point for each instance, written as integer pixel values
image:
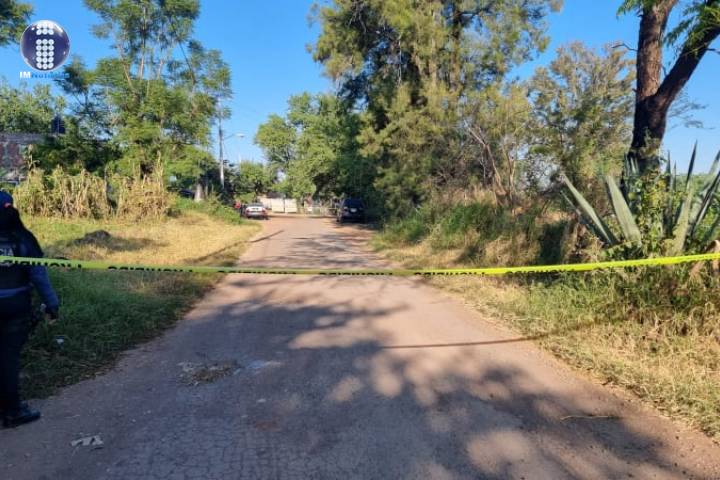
(256, 210)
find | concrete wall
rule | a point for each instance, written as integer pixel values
(287, 205)
(291, 205)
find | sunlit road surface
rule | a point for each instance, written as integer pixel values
(343, 377)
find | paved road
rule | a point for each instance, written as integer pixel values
(343, 378)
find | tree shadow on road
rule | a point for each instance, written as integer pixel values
(309, 252)
(352, 402)
(325, 388)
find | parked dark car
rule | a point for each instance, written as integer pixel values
(256, 210)
(185, 193)
(351, 210)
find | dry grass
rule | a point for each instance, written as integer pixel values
(420, 255)
(84, 195)
(192, 238)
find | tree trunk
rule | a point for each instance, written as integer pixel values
(648, 127)
(456, 32)
(653, 96)
(648, 132)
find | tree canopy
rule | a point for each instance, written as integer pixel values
(583, 105)
(14, 17)
(313, 146)
(151, 103)
(24, 110)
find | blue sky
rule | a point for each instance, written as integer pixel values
(265, 45)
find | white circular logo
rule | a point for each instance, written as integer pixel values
(45, 45)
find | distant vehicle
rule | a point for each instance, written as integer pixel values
(351, 210)
(256, 210)
(185, 193)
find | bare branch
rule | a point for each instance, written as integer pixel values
(625, 46)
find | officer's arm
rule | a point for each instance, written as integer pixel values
(41, 282)
(39, 274)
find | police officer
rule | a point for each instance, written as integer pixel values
(16, 284)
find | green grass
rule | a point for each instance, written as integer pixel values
(212, 207)
(105, 313)
(653, 332)
(478, 233)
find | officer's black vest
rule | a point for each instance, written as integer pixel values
(12, 276)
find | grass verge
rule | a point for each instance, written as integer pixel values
(650, 331)
(105, 313)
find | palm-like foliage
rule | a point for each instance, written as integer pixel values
(683, 207)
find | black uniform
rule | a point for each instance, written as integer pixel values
(16, 284)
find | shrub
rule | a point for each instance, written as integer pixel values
(474, 222)
(480, 232)
(212, 206)
(60, 194)
(654, 212)
(140, 196)
(409, 230)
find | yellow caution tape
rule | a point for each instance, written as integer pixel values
(570, 267)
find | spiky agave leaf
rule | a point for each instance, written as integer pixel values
(691, 167)
(590, 215)
(622, 211)
(631, 166)
(713, 232)
(711, 177)
(630, 173)
(582, 218)
(682, 223)
(708, 194)
(669, 214)
(715, 165)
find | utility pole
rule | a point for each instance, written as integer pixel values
(221, 159)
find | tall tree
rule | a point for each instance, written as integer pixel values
(414, 67)
(697, 28)
(501, 127)
(373, 47)
(310, 144)
(250, 179)
(583, 104)
(164, 89)
(88, 142)
(278, 139)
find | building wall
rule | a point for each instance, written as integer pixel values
(13, 150)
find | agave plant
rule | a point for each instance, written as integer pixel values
(684, 210)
